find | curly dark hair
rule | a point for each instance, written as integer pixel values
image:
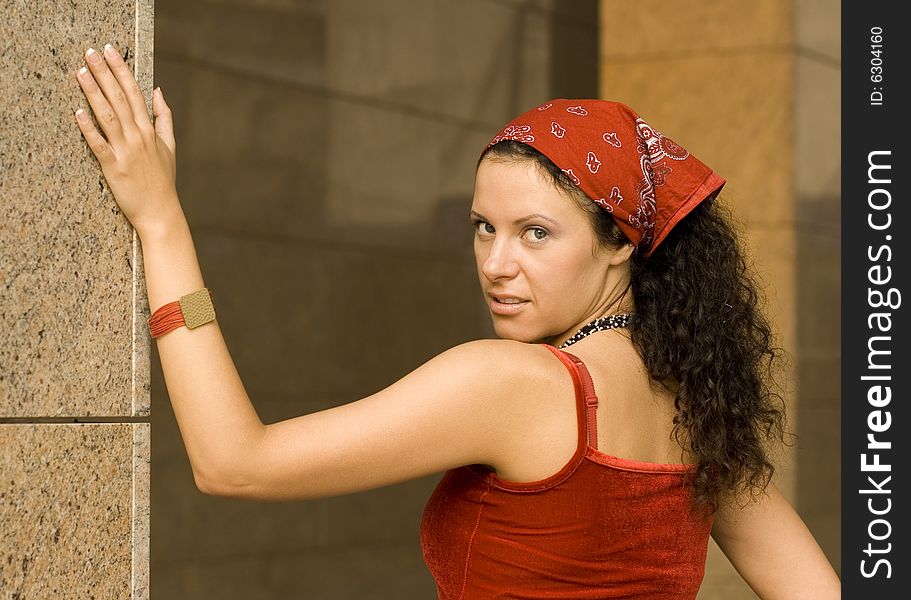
(698, 323)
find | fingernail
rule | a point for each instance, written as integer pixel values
(109, 51)
(92, 56)
(83, 71)
(81, 115)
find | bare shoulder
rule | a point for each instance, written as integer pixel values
(511, 372)
(516, 387)
(514, 362)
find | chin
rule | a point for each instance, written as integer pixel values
(509, 331)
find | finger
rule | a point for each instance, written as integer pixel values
(106, 116)
(164, 120)
(111, 88)
(130, 87)
(97, 144)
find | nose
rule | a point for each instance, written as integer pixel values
(500, 261)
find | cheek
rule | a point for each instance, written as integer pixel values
(480, 255)
(566, 276)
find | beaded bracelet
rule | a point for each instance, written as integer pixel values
(192, 310)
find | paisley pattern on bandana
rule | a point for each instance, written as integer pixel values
(519, 133)
(611, 138)
(557, 130)
(662, 180)
(609, 203)
(592, 162)
(569, 172)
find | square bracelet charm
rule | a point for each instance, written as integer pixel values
(197, 308)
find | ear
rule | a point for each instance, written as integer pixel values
(622, 254)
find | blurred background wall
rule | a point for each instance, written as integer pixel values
(326, 154)
(325, 160)
(74, 347)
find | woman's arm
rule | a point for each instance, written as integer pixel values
(454, 410)
(216, 419)
(772, 549)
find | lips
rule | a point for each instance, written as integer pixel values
(505, 298)
(504, 304)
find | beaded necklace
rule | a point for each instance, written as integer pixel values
(599, 324)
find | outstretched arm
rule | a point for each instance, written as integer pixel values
(772, 549)
(452, 411)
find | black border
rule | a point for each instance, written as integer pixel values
(868, 252)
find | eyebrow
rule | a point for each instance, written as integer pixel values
(518, 221)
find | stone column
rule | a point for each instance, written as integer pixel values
(753, 90)
(74, 345)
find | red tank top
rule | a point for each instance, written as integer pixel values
(601, 527)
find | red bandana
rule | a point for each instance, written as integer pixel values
(645, 180)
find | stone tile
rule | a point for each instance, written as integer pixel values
(732, 111)
(647, 28)
(74, 508)
(70, 288)
(818, 27)
(817, 131)
(141, 509)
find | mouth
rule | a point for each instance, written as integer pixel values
(508, 300)
(506, 305)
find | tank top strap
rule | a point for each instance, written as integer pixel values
(586, 398)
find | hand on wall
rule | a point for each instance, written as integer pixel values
(136, 157)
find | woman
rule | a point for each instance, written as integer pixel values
(593, 474)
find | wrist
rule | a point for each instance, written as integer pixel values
(162, 227)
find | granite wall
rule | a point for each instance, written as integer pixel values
(74, 348)
(753, 89)
(326, 154)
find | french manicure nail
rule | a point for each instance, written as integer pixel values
(80, 114)
(92, 56)
(109, 50)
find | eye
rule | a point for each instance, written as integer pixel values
(538, 234)
(484, 228)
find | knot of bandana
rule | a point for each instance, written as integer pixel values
(644, 179)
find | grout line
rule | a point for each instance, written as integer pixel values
(71, 420)
(140, 491)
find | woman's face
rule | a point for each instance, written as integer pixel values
(542, 272)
